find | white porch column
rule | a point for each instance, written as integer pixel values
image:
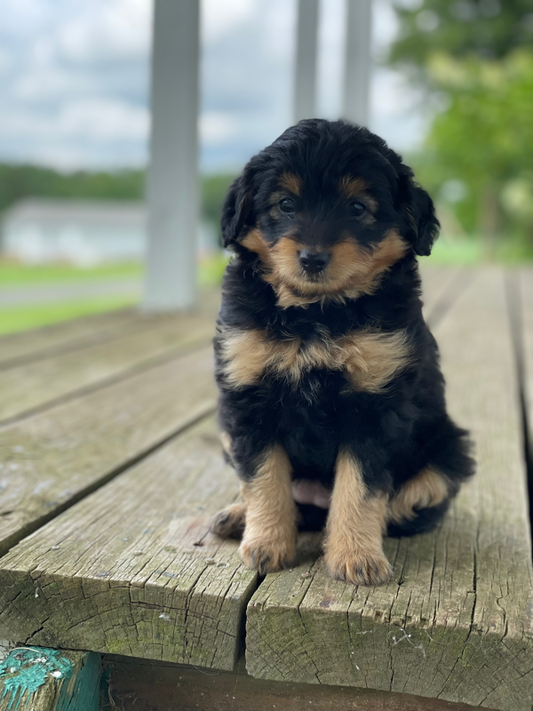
(357, 61)
(306, 60)
(173, 176)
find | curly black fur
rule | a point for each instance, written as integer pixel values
(395, 433)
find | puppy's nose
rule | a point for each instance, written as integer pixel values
(313, 262)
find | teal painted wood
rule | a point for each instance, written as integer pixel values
(40, 679)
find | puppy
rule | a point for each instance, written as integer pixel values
(332, 407)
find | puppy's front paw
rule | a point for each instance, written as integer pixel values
(268, 555)
(360, 568)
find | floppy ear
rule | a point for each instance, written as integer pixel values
(237, 212)
(420, 211)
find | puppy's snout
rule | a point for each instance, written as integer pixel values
(313, 262)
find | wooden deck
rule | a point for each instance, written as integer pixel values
(111, 470)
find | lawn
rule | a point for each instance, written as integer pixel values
(13, 274)
(20, 318)
(15, 318)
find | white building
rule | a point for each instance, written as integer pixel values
(81, 232)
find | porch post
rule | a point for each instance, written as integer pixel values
(173, 176)
(357, 61)
(306, 60)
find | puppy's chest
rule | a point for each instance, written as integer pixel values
(367, 358)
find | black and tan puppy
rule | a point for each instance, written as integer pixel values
(332, 404)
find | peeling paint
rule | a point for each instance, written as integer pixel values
(26, 669)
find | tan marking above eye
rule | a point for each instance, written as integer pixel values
(352, 187)
(358, 189)
(291, 182)
(370, 358)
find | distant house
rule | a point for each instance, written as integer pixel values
(82, 232)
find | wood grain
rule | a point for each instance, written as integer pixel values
(438, 287)
(455, 623)
(132, 570)
(19, 347)
(36, 343)
(51, 460)
(37, 384)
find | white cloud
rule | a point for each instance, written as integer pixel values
(216, 127)
(220, 17)
(103, 32)
(93, 120)
(75, 77)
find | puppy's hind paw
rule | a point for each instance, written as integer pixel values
(364, 568)
(230, 522)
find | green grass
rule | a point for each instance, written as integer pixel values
(20, 318)
(468, 251)
(13, 274)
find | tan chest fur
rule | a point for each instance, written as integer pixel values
(369, 358)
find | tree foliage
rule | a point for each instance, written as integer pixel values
(484, 138)
(476, 58)
(487, 29)
(21, 181)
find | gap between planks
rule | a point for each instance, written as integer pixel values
(27, 346)
(52, 460)
(35, 387)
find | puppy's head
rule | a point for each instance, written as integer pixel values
(328, 208)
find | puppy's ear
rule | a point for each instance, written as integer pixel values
(238, 209)
(423, 226)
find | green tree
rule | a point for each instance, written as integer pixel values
(474, 57)
(488, 29)
(484, 139)
(21, 181)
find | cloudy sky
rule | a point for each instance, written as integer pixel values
(74, 80)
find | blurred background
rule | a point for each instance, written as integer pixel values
(450, 88)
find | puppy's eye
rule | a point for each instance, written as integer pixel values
(357, 209)
(287, 206)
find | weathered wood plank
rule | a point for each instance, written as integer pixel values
(36, 342)
(51, 460)
(456, 621)
(130, 570)
(38, 679)
(37, 384)
(437, 286)
(30, 345)
(145, 686)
